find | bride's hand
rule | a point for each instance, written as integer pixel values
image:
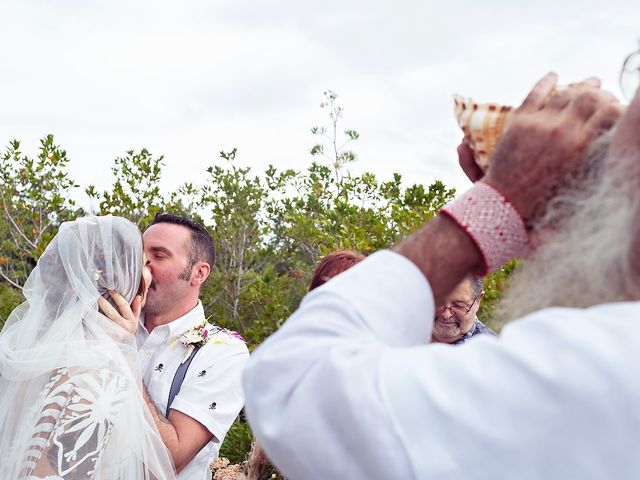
(126, 316)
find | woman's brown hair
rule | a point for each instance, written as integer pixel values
(334, 264)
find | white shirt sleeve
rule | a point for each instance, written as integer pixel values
(349, 388)
(313, 388)
(212, 392)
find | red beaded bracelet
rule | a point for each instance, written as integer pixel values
(494, 225)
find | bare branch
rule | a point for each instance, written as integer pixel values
(43, 230)
(15, 225)
(9, 280)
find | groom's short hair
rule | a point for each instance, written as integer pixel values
(202, 248)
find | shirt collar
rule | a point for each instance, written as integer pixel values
(180, 325)
(469, 334)
(193, 317)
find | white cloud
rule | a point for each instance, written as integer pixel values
(188, 79)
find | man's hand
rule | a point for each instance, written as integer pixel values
(546, 141)
(127, 316)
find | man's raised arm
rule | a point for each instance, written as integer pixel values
(544, 145)
(316, 393)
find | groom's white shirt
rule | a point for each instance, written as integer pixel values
(211, 392)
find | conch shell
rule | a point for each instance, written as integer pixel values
(483, 124)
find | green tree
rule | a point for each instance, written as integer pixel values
(331, 208)
(247, 290)
(270, 229)
(36, 196)
(136, 192)
(338, 156)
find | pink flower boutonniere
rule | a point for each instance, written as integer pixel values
(201, 334)
(196, 337)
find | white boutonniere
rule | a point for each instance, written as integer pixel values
(196, 337)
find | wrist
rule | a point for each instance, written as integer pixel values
(515, 195)
(491, 222)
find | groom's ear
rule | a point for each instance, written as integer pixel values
(200, 273)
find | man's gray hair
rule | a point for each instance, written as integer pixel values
(477, 287)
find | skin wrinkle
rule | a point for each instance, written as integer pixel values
(560, 148)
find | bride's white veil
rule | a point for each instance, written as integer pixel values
(71, 404)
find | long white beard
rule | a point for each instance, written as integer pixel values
(588, 259)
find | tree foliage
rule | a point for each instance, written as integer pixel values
(35, 195)
(269, 228)
(136, 191)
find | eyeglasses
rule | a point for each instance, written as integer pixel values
(458, 309)
(630, 75)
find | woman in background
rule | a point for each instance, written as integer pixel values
(333, 264)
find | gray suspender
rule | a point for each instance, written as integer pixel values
(178, 378)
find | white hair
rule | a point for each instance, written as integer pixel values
(589, 230)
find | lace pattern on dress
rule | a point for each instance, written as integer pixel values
(80, 408)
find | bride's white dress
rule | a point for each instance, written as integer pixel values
(71, 405)
(79, 411)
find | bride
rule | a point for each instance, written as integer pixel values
(71, 405)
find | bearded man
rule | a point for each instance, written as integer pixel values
(456, 321)
(347, 389)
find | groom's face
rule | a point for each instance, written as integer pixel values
(167, 248)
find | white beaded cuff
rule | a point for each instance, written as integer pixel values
(494, 225)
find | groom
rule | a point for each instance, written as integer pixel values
(180, 255)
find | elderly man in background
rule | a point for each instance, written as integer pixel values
(348, 389)
(456, 321)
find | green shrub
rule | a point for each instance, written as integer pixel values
(237, 443)
(10, 298)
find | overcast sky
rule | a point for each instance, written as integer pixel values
(187, 79)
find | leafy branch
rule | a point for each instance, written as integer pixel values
(339, 157)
